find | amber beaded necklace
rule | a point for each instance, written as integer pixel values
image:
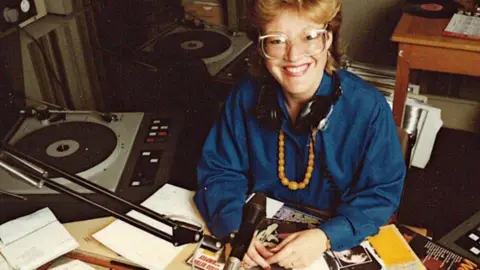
(293, 185)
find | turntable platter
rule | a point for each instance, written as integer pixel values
(193, 45)
(72, 146)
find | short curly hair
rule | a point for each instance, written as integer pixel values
(320, 11)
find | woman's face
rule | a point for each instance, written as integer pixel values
(297, 73)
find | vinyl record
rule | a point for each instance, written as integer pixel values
(193, 45)
(73, 147)
(431, 9)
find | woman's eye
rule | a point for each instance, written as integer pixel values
(277, 41)
(312, 36)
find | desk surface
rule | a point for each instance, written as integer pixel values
(82, 231)
(424, 31)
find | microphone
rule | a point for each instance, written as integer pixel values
(253, 212)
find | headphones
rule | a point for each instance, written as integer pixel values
(314, 114)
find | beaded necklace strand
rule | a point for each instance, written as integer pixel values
(293, 185)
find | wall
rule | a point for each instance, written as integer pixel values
(367, 28)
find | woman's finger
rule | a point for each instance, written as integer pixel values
(248, 262)
(262, 250)
(284, 242)
(256, 258)
(282, 255)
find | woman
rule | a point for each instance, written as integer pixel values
(308, 133)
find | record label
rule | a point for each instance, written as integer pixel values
(431, 9)
(197, 44)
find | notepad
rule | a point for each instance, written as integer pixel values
(34, 240)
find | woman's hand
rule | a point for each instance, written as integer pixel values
(300, 249)
(256, 255)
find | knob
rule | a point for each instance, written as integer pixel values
(11, 15)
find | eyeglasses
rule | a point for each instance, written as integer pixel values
(310, 42)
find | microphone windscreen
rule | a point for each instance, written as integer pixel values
(254, 211)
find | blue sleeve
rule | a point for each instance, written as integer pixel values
(375, 193)
(222, 170)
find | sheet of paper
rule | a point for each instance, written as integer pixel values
(18, 228)
(272, 207)
(73, 265)
(39, 246)
(83, 230)
(3, 264)
(141, 247)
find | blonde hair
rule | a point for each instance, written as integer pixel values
(327, 12)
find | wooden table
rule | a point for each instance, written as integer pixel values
(422, 46)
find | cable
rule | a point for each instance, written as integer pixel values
(49, 67)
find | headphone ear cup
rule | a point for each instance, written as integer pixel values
(267, 111)
(312, 113)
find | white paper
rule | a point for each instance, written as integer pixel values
(40, 239)
(73, 265)
(18, 228)
(272, 207)
(428, 127)
(464, 24)
(3, 264)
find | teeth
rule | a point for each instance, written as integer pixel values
(297, 69)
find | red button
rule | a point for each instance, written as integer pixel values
(163, 133)
(150, 140)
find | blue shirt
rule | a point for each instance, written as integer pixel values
(362, 153)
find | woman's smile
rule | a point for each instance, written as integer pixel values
(296, 70)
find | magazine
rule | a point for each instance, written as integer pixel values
(435, 256)
(396, 253)
(272, 231)
(289, 213)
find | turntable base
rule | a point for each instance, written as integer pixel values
(137, 165)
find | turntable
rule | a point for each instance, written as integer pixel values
(214, 47)
(130, 156)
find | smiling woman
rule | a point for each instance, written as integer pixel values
(304, 132)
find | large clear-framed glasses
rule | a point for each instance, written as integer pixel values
(311, 42)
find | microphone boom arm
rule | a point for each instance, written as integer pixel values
(182, 233)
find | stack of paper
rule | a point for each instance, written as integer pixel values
(31, 241)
